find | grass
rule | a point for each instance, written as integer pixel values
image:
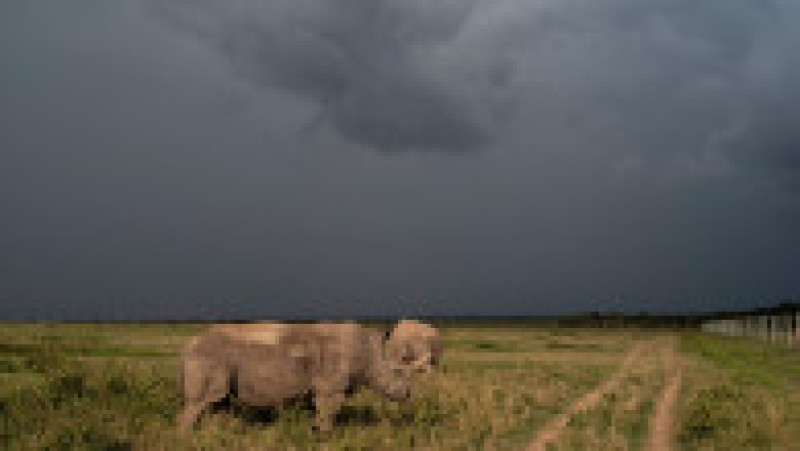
(748, 361)
(73, 406)
(115, 387)
(620, 420)
(110, 386)
(739, 393)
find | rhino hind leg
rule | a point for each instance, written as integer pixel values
(203, 384)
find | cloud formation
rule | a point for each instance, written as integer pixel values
(366, 65)
(684, 88)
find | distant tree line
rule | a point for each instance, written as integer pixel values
(585, 319)
(644, 319)
(636, 320)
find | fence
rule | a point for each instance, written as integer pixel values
(779, 328)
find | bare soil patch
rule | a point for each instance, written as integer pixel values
(662, 421)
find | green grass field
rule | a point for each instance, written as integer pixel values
(115, 387)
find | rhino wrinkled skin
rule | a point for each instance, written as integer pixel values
(416, 345)
(270, 364)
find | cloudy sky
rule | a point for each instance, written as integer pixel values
(365, 156)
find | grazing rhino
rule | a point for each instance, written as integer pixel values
(415, 344)
(270, 364)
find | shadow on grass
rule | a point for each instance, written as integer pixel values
(299, 411)
(357, 416)
(573, 346)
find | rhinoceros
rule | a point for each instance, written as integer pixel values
(271, 364)
(416, 345)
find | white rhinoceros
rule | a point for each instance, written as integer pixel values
(270, 364)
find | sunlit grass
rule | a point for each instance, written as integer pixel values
(115, 387)
(620, 420)
(739, 393)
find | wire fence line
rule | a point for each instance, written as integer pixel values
(778, 328)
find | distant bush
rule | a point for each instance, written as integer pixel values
(727, 412)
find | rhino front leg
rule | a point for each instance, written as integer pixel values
(328, 405)
(189, 414)
(203, 384)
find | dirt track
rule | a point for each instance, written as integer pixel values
(550, 432)
(661, 430)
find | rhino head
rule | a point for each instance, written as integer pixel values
(389, 378)
(415, 345)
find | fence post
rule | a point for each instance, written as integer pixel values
(797, 329)
(784, 329)
(751, 326)
(770, 328)
(774, 329)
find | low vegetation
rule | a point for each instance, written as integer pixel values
(115, 387)
(620, 421)
(739, 393)
(104, 387)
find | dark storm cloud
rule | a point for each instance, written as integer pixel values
(667, 111)
(678, 87)
(363, 63)
(543, 155)
(659, 82)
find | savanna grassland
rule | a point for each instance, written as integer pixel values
(114, 386)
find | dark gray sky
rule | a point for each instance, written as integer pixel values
(363, 156)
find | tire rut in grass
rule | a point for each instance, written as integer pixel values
(662, 421)
(551, 431)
